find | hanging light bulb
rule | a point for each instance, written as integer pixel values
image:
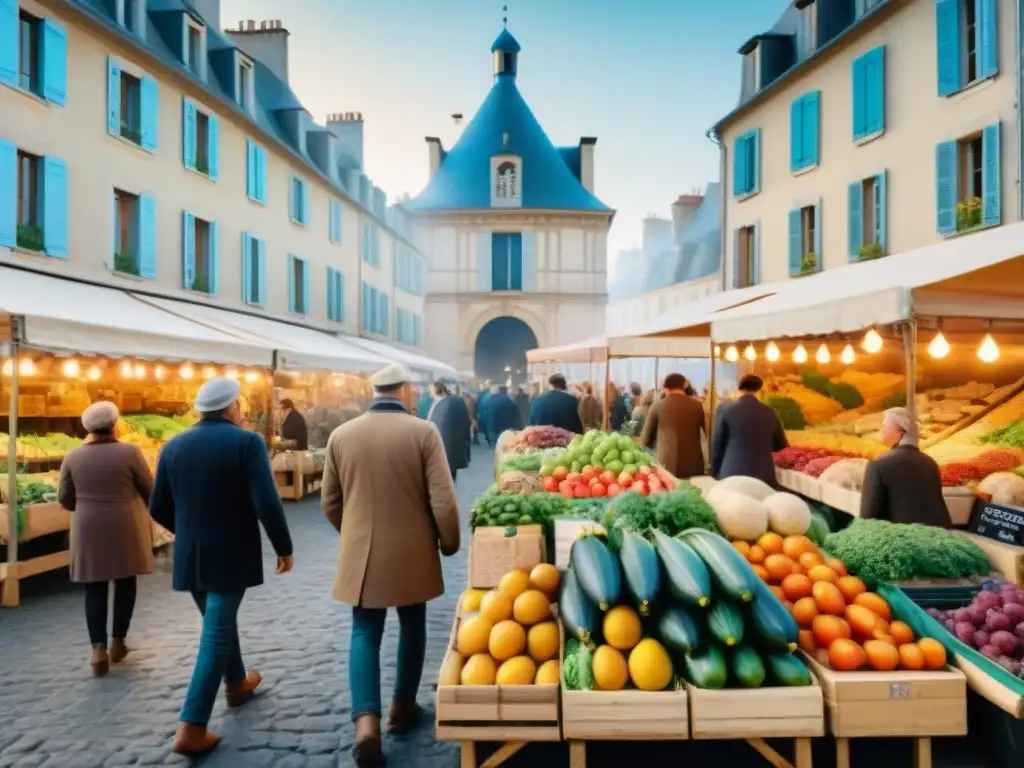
(8, 367)
(231, 373)
(988, 351)
(731, 354)
(209, 372)
(847, 356)
(94, 373)
(938, 347)
(771, 352)
(126, 369)
(186, 371)
(159, 372)
(252, 377)
(70, 368)
(822, 355)
(872, 342)
(26, 367)
(140, 371)
(718, 351)
(799, 354)
(750, 353)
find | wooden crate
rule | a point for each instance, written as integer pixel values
(768, 713)
(494, 551)
(40, 520)
(1007, 560)
(625, 715)
(990, 688)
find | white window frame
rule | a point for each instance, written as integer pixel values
(192, 23)
(246, 98)
(507, 202)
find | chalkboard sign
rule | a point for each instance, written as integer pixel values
(998, 522)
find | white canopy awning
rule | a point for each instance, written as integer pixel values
(67, 316)
(700, 312)
(600, 348)
(970, 276)
(434, 369)
(297, 348)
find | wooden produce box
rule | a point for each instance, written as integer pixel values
(496, 713)
(841, 498)
(898, 703)
(40, 520)
(741, 713)
(494, 551)
(1006, 559)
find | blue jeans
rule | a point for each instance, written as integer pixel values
(364, 656)
(220, 656)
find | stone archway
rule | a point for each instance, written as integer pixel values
(500, 349)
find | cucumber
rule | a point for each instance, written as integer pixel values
(679, 630)
(729, 569)
(688, 578)
(725, 623)
(787, 669)
(819, 528)
(597, 570)
(707, 669)
(774, 625)
(747, 667)
(578, 614)
(641, 570)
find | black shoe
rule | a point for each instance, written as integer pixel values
(368, 754)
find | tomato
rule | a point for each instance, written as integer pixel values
(581, 492)
(625, 479)
(589, 469)
(550, 484)
(654, 483)
(589, 475)
(643, 472)
(607, 478)
(595, 481)
(565, 488)
(640, 487)
(560, 474)
(574, 477)
(614, 489)
(597, 490)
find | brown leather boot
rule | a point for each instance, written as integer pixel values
(100, 660)
(117, 650)
(239, 693)
(194, 740)
(403, 716)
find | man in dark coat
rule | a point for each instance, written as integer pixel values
(523, 401)
(745, 434)
(903, 485)
(502, 414)
(293, 426)
(213, 489)
(556, 407)
(451, 416)
(483, 416)
(617, 416)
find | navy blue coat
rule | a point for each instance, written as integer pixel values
(451, 415)
(502, 414)
(556, 408)
(213, 488)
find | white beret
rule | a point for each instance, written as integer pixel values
(101, 415)
(391, 375)
(217, 394)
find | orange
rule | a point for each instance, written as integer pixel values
(874, 603)
(863, 622)
(804, 611)
(934, 653)
(742, 547)
(884, 638)
(777, 591)
(787, 605)
(762, 574)
(778, 567)
(807, 644)
(822, 573)
(911, 656)
(844, 655)
(836, 565)
(850, 586)
(794, 546)
(756, 555)
(810, 559)
(828, 629)
(797, 568)
(881, 656)
(771, 543)
(829, 598)
(901, 633)
(796, 586)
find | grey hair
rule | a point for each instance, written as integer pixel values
(100, 416)
(901, 418)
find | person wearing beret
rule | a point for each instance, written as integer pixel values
(388, 491)
(213, 489)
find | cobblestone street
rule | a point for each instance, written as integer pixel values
(54, 714)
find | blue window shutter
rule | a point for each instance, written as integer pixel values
(945, 187)
(291, 283)
(796, 135)
(499, 262)
(113, 95)
(796, 255)
(261, 174)
(55, 207)
(483, 261)
(305, 288)
(340, 291)
(947, 44)
(755, 268)
(213, 146)
(364, 308)
(990, 175)
(246, 265)
(305, 204)
(214, 260)
(529, 257)
(330, 293)
(188, 136)
(736, 258)
(250, 169)
(818, 260)
(147, 237)
(149, 112)
(988, 32)
(739, 172)
(515, 257)
(880, 204)
(9, 42)
(188, 248)
(811, 128)
(754, 158)
(875, 81)
(860, 97)
(262, 274)
(855, 219)
(55, 62)
(8, 190)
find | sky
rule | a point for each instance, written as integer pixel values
(648, 78)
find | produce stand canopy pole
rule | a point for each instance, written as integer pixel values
(606, 426)
(712, 394)
(10, 583)
(909, 333)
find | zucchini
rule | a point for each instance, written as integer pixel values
(725, 623)
(729, 569)
(597, 570)
(774, 625)
(688, 578)
(641, 570)
(707, 669)
(747, 668)
(787, 669)
(679, 631)
(578, 614)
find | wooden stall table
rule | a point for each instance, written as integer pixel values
(40, 520)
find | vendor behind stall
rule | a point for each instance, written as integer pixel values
(293, 427)
(903, 485)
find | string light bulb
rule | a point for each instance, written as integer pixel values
(938, 347)
(209, 372)
(731, 354)
(26, 367)
(823, 356)
(750, 353)
(988, 351)
(126, 370)
(159, 372)
(771, 352)
(847, 356)
(8, 367)
(799, 354)
(95, 373)
(231, 373)
(718, 351)
(251, 377)
(70, 368)
(872, 342)
(140, 371)
(186, 372)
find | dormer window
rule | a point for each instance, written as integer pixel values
(195, 47)
(807, 29)
(244, 83)
(131, 14)
(507, 188)
(752, 71)
(506, 182)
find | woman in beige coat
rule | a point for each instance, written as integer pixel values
(106, 485)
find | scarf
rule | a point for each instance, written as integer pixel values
(387, 405)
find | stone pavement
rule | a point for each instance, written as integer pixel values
(54, 714)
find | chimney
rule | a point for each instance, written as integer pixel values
(209, 11)
(267, 44)
(435, 153)
(683, 211)
(587, 163)
(348, 127)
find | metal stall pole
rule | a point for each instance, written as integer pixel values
(657, 365)
(712, 392)
(908, 332)
(10, 598)
(607, 422)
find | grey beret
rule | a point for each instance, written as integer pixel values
(217, 394)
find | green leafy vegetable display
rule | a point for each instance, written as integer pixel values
(845, 394)
(524, 462)
(157, 427)
(495, 508)
(817, 381)
(1012, 435)
(577, 673)
(880, 551)
(670, 513)
(788, 409)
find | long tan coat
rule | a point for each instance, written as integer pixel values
(106, 486)
(590, 412)
(388, 490)
(673, 428)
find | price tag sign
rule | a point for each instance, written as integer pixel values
(899, 691)
(998, 522)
